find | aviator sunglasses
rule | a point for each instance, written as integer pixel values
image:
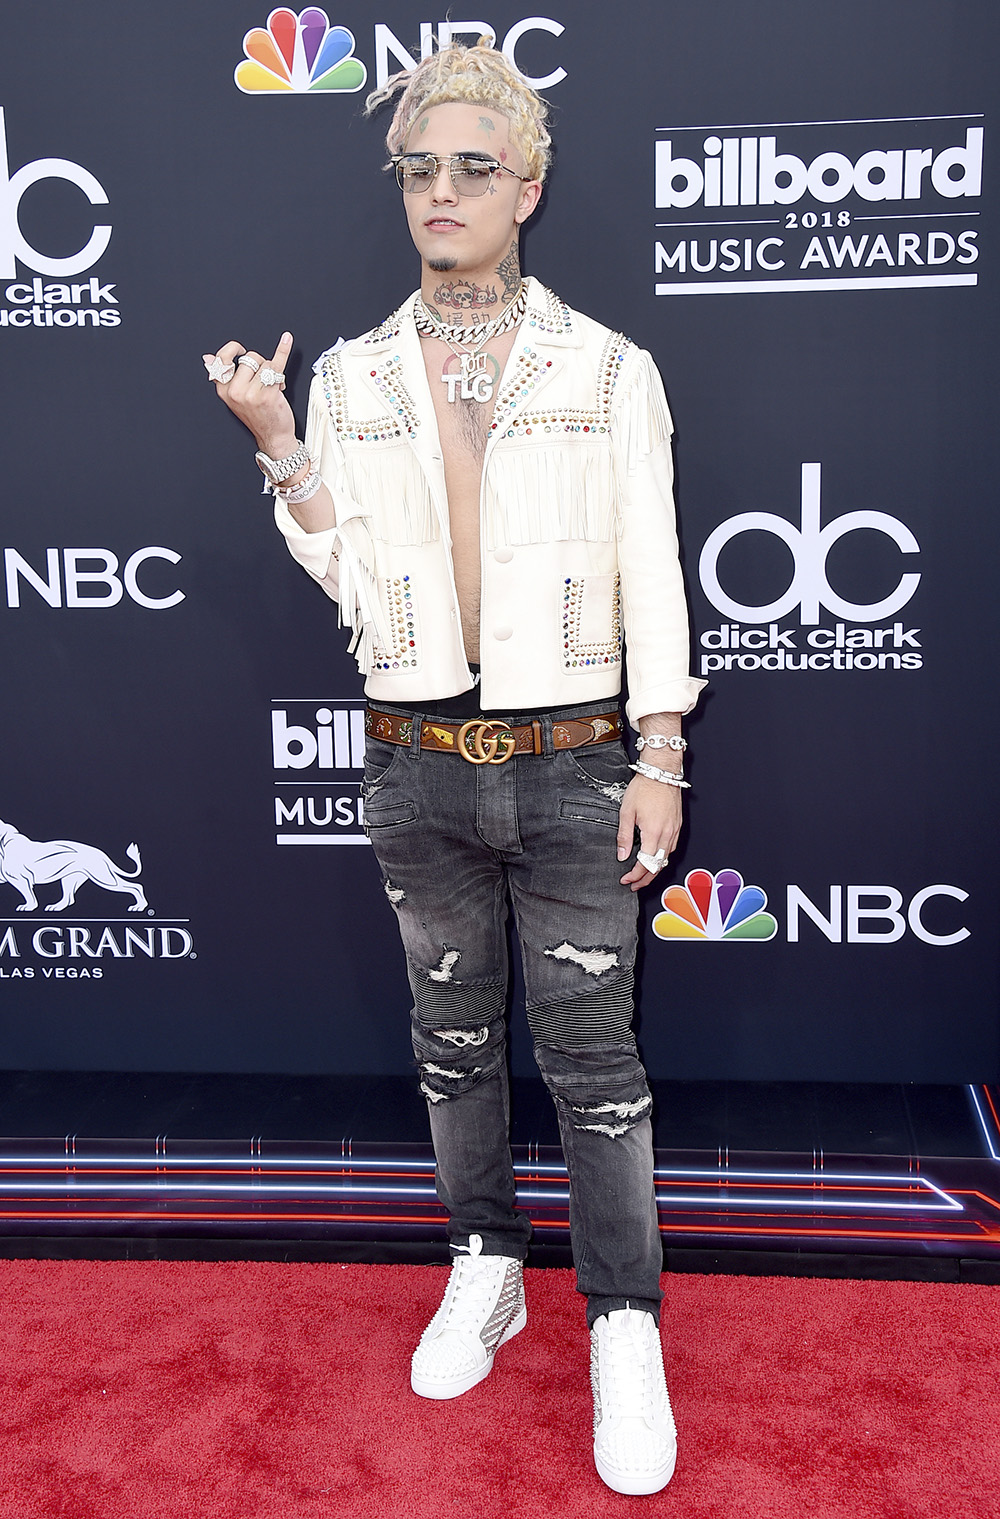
(470, 173)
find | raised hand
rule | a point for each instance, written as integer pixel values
(242, 378)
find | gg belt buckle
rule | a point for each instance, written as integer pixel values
(485, 743)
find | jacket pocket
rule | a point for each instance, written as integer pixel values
(591, 621)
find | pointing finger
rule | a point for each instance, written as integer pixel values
(282, 351)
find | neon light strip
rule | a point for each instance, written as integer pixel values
(714, 1202)
(826, 1182)
(72, 1186)
(151, 1174)
(982, 1121)
(348, 1162)
(254, 1161)
(989, 1100)
(829, 1181)
(980, 1234)
(809, 1177)
(816, 1204)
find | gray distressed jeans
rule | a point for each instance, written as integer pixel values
(456, 843)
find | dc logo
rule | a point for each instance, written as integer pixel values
(13, 243)
(809, 544)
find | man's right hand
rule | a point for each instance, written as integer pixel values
(262, 408)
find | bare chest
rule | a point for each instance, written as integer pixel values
(464, 409)
(464, 429)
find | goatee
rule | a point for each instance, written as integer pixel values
(442, 265)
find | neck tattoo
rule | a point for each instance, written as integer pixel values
(475, 379)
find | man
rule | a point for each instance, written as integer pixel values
(486, 489)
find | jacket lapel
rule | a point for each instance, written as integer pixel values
(397, 378)
(535, 359)
(392, 367)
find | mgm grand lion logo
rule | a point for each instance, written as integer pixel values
(26, 863)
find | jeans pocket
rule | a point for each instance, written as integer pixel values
(594, 782)
(603, 767)
(380, 758)
(587, 810)
(389, 814)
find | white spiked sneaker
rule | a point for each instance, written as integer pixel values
(482, 1308)
(635, 1442)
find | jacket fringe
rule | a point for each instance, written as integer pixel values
(540, 494)
(642, 416)
(359, 605)
(394, 488)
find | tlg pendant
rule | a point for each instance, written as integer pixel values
(474, 382)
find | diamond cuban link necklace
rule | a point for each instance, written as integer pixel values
(475, 379)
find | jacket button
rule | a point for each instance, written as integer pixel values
(502, 633)
(503, 556)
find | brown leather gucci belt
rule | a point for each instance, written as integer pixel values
(489, 741)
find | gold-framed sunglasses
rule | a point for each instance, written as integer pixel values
(470, 173)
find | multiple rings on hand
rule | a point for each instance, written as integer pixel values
(222, 373)
(269, 376)
(652, 862)
(249, 362)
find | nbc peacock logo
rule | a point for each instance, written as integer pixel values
(716, 908)
(299, 54)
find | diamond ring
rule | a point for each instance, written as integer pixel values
(269, 376)
(223, 373)
(249, 362)
(652, 862)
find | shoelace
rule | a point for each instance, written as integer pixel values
(630, 1370)
(475, 1281)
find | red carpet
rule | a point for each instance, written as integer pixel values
(239, 1391)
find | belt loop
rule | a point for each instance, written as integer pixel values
(418, 727)
(548, 747)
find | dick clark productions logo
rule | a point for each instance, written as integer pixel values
(65, 303)
(853, 643)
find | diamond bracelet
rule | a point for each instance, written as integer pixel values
(665, 777)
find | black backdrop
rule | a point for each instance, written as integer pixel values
(843, 793)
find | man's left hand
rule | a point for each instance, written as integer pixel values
(655, 809)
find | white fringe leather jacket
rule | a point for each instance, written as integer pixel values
(576, 511)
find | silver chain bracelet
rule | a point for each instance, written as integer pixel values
(662, 741)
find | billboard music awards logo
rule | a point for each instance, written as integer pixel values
(37, 948)
(323, 745)
(59, 300)
(301, 53)
(757, 637)
(720, 909)
(887, 203)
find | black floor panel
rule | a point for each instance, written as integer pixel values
(796, 1117)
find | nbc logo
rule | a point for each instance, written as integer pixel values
(299, 53)
(715, 907)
